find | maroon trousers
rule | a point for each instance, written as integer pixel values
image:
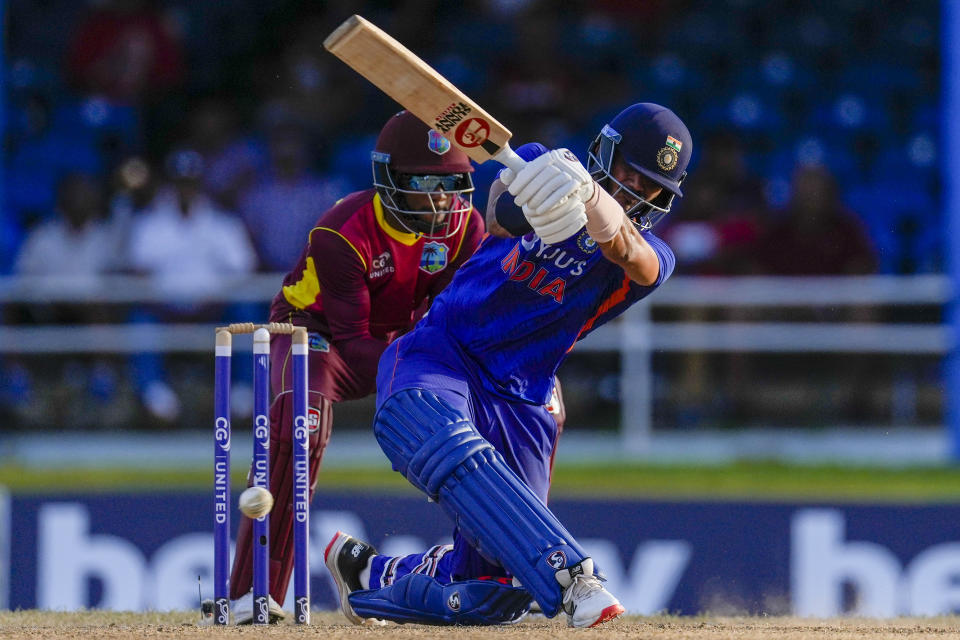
(330, 380)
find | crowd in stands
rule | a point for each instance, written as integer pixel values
(190, 140)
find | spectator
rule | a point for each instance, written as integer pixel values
(281, 208)
(188, 246)
(232, 160)
(723, 214)
(78, 243)
(72, 249)
(125, 50)
(816, 234)
(716, 233)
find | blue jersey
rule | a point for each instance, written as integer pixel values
(518, 305)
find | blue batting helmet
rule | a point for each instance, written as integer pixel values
(653, 141)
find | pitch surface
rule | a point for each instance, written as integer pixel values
(38, 625)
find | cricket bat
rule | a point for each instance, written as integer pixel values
(422, 91)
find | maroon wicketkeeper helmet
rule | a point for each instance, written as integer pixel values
(412, 158)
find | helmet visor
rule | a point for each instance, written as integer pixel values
(433, 182)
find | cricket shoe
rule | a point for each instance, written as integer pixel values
(243, 609)
(346, 558)
(585, 601)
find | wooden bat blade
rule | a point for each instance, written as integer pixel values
(418, 87)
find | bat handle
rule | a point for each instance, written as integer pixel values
(509, 158)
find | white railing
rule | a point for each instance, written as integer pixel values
(635, 336)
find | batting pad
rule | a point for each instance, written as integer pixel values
(421, 599)
(441, 452)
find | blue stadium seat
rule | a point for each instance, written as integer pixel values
(351, 157)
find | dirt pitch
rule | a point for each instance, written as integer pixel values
(40, 625)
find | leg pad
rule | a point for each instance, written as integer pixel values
(420, 599)
(440, 451)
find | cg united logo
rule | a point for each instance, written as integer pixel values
(434, 257)
(557, 559)
(383, 263)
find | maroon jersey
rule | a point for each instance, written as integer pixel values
(360, 283)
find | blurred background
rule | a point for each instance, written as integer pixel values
(771, 432)
(807, 313)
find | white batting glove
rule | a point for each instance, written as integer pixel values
(548, 180)
(559, 223)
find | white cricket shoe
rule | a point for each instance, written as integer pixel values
(346, 558)
(585, 601)
(242, 609)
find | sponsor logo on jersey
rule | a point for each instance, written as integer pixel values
(317, 342)
(434, 257)
(557, 559)
(533, 272)
(381, 265)
(437, 143)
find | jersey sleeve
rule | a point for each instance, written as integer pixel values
(664, 254)
(346, 300)
(509, 215)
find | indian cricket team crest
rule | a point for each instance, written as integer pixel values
(586, 243)
(434, 257)
(666, 158)
(437, 143)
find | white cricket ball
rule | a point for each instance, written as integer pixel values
(256, 502)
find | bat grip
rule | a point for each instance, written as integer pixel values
(509, 158)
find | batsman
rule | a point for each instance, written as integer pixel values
(461, 397)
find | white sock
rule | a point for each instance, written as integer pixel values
(365, 574)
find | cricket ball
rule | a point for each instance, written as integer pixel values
(256, 502)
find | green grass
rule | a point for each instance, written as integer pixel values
(742, 481)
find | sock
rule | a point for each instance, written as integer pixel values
(365, 574)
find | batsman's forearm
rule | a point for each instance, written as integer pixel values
(628, 249)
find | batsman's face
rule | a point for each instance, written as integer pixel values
(635, 181)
